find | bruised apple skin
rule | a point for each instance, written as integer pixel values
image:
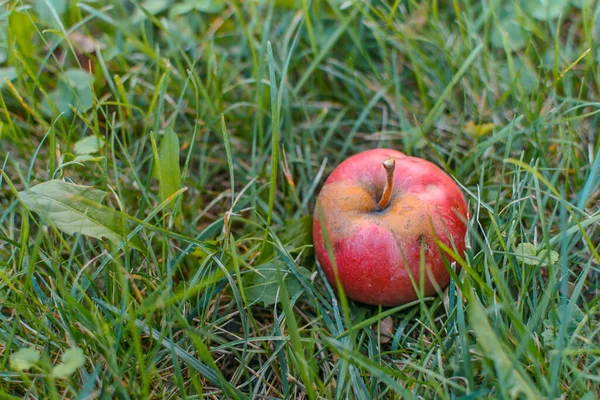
(377, 249)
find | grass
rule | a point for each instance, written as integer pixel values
(217, 294)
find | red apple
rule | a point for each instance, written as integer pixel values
(380, 219)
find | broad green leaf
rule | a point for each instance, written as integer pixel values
(152, 7)
(207, 6)
(75, 209)
(155, 6)
(291, 4)
(9, 73)
(512, 382)
(24, 359)
(113, 50)
(79, 81)
(83, 99)
(60, 98)
(546, 10)
(548, 259)
(44, 9)
(87, 157)
(179, 9)
(74, 88)
(71, 360)
(297, 232)
(527, 253)
(262, 284)
(166, 168)
(517, 36)
(589, 396)
(89, 145)
(77, 78)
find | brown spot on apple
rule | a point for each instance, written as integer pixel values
(423, 242)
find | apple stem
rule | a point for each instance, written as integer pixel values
(390, 165)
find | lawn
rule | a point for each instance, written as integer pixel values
(159, 164)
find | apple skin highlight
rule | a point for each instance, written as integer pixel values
(374, 248)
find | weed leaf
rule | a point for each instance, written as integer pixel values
(514, 31)
(167, 169)
(89, 145)
(527, 253)
(24, 359)
(297, 233)
(71, 360)
(263, 285)
(46, 9)
(546, 10)
(9, 73)
(75, 209)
